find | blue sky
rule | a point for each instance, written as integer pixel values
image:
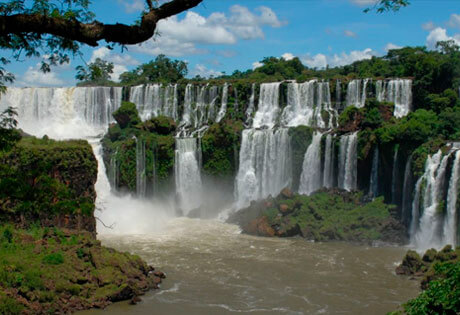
(225, 35)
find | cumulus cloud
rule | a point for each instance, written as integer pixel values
(204, 72)
(349, 33)
(454, 21)
(120, 61)
(35, 77)
(440, 34)
(179, 37)
(287, 56)
(256, 65)
(391, 46)
(321, 60)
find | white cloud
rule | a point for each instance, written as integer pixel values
(256, 65)
(120, 61)
(179, 37)
(204, 72)
(132, 5)
(321, 60)
(428, 26)
(35, 77)
(316, 61)
(440, 34)
(287, 56)
(454, 21)
(349, 33)
(391, 46)
(364, 2)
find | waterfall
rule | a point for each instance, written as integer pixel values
(223, 107)
(188, 110)
(212, 99)
(141, 176)
(113, 171)
(268, 108)
(400, 93)
(397, 91)
(374, 180)
(394, 176)
(311, 179)
(328, 173)
(265, 165)
(338, 94)
(250, 109)
(428, 230)
(187, 174)
(155, 99)
(357, 92)
(450, 224)
(348, 161)
(407, 191)
(63, 112)
(306, 103)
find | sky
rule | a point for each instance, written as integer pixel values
(225, 35)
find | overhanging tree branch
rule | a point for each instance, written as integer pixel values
(92, 33)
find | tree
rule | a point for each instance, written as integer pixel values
(57, 28)
(97, 71)
(162, 69)
(388, 5)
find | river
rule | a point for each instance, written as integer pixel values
(214, 269)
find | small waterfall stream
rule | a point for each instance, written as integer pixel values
(374, 179)
(348, 160)
(311, 177)
(187, 174)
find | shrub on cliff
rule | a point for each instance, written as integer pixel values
(42, 179)
(127, 115)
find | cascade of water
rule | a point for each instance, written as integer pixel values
(200, 106)
(170, 104)
(213, 96)
(141, 176)
(348, 161)
(380, 88)
(394, 176)
(265, 165)
(187, 174)
(223, 107)
(62, 112)
(400, 93)
(306, 103)
(147, 99)
(328, 173)
(427, 231)
(357, 92)
(311, 179)
(338, 94)
(250, 109)
(450, 223)
(374, 180)
(188, 110)
(407, 191)
(113, 171)
(397, 91)
(268, 108)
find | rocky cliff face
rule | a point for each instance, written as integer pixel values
(50, 183)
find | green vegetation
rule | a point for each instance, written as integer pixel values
(440, 273)
(44, 178)
(95, 73)
(324, 216)
(42, 268)
(220, 147)
(157, 137)
(160, 70)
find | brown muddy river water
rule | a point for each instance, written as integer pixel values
(213, 269)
